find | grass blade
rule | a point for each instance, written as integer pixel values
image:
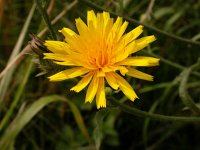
(6, 79)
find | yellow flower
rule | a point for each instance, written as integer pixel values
(99, 53)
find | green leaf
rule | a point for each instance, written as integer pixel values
(5, 81)
(79, 120)
(163, 11)
(22, 120)
(98, 131)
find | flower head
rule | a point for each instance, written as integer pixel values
(99, 53)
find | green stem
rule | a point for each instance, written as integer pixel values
(164, 85)
(144, 114)
(46, 18)
(92, 5)
(155, 104)
(166, 135)
(185, 97)
(147, 122)
(175, 65)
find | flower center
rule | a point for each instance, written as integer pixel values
(101, 59)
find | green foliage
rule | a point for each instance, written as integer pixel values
(166, 115)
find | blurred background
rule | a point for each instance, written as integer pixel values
(36, 114)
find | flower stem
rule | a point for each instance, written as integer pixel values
(185, 97)
(46, 18)
(144, 114)
(173, 64)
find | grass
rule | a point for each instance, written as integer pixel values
(36, 114)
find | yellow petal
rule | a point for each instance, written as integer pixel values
(140, 61)
(132, 35)
(106, 19)
(138, 74)
(114, 30)
(100, 97)
(100, 73)
(122, 30)
(127, 45)
(121, 55)
(107, 26)
(91, 22)
(106, 16)
(66, 63)
(125, 87)
(67, 32)
(92, 89)
(111, 68)
(117, 24)
(57, 47)
(112, 81)
(81, 27)
(142, 42)
(70, 36)
(83, 82)
(99, 27)
(123, 70)
(130, 48)
(91, 17)
(69, 73)
(58, 57)
(151, 60)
